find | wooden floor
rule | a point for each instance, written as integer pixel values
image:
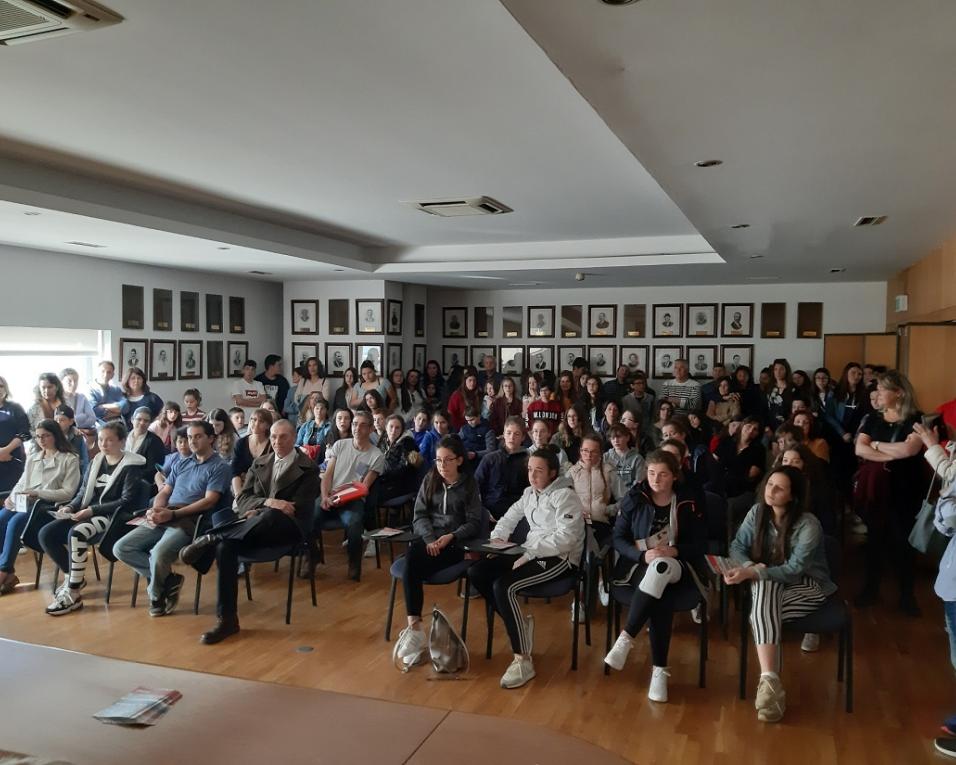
(904, 683)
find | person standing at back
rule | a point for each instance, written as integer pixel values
(273, 382)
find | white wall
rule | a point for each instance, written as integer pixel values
(847, 307)
(46, 289)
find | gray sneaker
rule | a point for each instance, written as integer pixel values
(519, 672)
(771, 701)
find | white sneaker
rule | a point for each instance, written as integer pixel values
(618, 654)
(529, 632)
(771, 701)
(603, 595)
(657, 691)
(519, 672)
(811, 643)
(410, 648)
(66, 600)
(696, 612)
(577, 615)
(370, 549)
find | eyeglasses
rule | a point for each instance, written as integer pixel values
(446, 460)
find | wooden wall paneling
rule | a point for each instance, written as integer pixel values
(931, 362)
(880, 349)
(840, 350)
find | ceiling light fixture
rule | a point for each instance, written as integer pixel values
(755, 257)
(870, 220)
(261, 273)
(709, 163)
(740, 225)
(338, 269)
(618, 2)
(837, 270)
(87, 244)
(224, 248)
(31, 212)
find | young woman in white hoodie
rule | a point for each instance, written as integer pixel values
(553, 546)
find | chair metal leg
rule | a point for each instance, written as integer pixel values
(109, 583)
(490, 616)
(96, 564)
(841, 653)
(611, 605)
(276, 569)
(56, 577)
(575, 627)
(702, 660)
(321, 542)
(38, 559)
(132, 599)
(288, 602)
(849, 660)
(378, 554)
(308, 552)
(198, 591)
(744, 645)
(464, 614)
(391, 609)
(249, 583)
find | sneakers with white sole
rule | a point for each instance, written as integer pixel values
(519, 672)
(369, 549)
(410, 648)
(811, 643)
(65, 601)
(603, 595)
(618, 654)
(696, 613)
(771, 701)
(657, 690)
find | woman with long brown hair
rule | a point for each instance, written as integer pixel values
(468, 396)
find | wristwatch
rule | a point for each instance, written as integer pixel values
(876, 446)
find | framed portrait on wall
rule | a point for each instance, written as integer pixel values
(601, 360)
(453, 355)
(571, 321)
(664, 358)
(214, 315)
(237, 351)
(540, 358)
(302, 352)
(162, 310)
(454, 322)
(484, 319)
(215, 369)
(338, 316)
(737, 319)
(370, 352)
(133, 353)
(132, 307)
(419, 320)
(237, 315)
(419, 352)
(305, 317)
(338, 358)
(394, 317)
(369, 318)
(162, 360)
(511, 324)
(478, 354)
(566, 356)
(668, 319)
(701, 320)
(189, 312)
(735, 356)
(511, 359)
(602, 320)
(634, 357)
(541, 320)
(701, 360)
(635, 320)
(394, 357)
(190, 359)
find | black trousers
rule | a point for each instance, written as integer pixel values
(271, 529)
(887, 542)
(419, 565)
(658, 611)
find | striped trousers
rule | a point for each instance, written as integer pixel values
(775, 603)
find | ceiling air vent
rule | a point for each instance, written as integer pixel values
(870, 220)
(87, 244)
(453, 208)
(24, 21)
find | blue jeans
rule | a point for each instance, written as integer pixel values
(12, 524)
(151, 553)
(949, 614)
(352, 518)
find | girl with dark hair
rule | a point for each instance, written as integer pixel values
(192, 399)
(447, 512)
(433, 375)
(591, 401)
(743, 458)
(466, 397)
(250, 447)
(47, 396)
(373, 403)
(780, 395)
(565, 394)
(224, 438)
(570, 432)
(843, 416)
(136, 394)
(402, 460)
(492, 392)
(802, 385)
(313, 381)
(751, 399)
(552, 548)
(341, 427)
(310, 438)
(428, 446)
(409, 397)
(664, 413)
(726, 406)
(51, 473)
(659, 535)
(343, 394)
(369, 380)
(780, 550)
(508, 404)
(822, 393)
(65, 417)
(167, 423)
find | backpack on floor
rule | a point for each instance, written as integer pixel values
(448, 651)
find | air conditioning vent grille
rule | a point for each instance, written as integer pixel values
(23, 21)
(13, 17)
(870, 220)
(454, 208)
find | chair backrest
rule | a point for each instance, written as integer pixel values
(715, 514)
(834, 557)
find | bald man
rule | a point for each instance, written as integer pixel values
(274, 509)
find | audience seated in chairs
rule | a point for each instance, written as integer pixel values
(195, 485)
(552, 549)
(447, 512)
(141, 441)
(441, 424)
(541, 438)
(47, 396)
(224, 440)
(314, 431)
(80, 404)
(625, 464)
(477, 436)
(350, 460)
(400, 471)
(180, 452)
(277, 502)
(137, 395)
(250, 447)
(502, 475)
(167, 423)
(51, 473)
(192, 400)
(105, 395)
(660, 536)
(779, 549)
(507, 404)
(570, 432)
(110, 485)
(65, 419)
(14, 433)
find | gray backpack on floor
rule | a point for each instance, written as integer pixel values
(448, 651)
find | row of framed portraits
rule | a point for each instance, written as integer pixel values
(340, 356)
(689, 320)
(163, 309)
(655, 361)
(183, 359)
(372, 317)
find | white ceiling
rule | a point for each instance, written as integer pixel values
(311, 123)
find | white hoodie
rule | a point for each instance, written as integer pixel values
(556, 519)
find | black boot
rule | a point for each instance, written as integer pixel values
(194, 551)
(226, 626)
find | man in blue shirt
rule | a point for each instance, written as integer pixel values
(195, 484)
(105, 396)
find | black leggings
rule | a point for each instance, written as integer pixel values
(660, 613)
(887, 541)
(419, 565)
